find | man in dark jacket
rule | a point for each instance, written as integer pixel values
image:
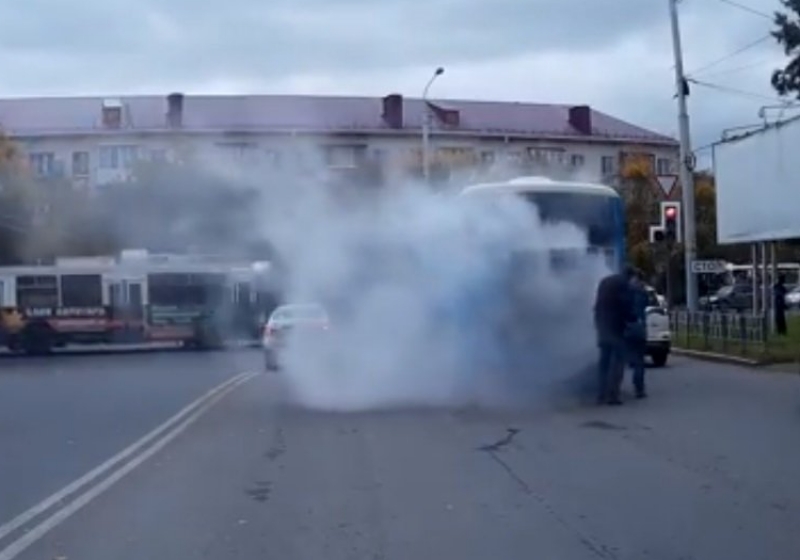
(613, 312)
(779, 294)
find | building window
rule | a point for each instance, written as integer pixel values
(455, 157)
(577, 160)
(608, 165)
(239, 151)
(665, 166)
(118, 157)
(43, 164)
(487, 157)
(80, 164)
(514, 157)
(546, 156)
(341, 156)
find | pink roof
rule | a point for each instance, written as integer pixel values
(301, 113)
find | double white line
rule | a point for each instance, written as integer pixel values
(68, 500)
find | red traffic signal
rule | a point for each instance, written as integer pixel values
(670, 213)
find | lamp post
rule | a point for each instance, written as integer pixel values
(426, 124)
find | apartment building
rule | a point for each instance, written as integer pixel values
(93, 141)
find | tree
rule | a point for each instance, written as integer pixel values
(705, 207)
(15, 207)
(787, 80)
(641, 210)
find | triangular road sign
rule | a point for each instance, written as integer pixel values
(667, 184)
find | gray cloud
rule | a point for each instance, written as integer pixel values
(365, 47)
(282, 36)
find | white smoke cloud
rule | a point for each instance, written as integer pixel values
(418, 284)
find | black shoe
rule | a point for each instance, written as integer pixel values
(613, 402)
(641, 394)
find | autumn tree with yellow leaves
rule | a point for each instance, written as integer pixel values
(641, 209)
(14, 205)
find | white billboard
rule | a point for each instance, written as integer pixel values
(758, 184)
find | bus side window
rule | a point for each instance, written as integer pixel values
(81, 290)
(37, 291)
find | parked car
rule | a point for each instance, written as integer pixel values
(733, 297)
(793, 298)
(291, 320)
(659, 333)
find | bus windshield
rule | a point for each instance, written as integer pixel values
(594, 213)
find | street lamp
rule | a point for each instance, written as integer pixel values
(426, 124)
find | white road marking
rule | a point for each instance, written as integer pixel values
(98, 471)
(19, 545)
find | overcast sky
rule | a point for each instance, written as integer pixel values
(612, 54)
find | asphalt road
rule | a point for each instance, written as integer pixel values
(61, 416)
(707, 468)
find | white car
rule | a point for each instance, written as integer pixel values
(659, 333)
(309, 318)
(793, 298)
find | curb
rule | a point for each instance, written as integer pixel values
(719, 358)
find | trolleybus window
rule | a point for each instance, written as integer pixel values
(81, 290)
(37, 291)
(186, 289)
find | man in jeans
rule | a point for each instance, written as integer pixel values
(613, 310)
(636, 333)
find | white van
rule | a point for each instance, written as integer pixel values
(659, 334)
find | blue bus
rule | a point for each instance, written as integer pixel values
(595, 208)
(544, 291)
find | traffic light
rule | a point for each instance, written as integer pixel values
(671, 221)
(669, 226)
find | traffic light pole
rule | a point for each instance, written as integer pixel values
(686, 168)
(669, 288)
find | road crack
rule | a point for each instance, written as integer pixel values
(590, 543)
(501, 443)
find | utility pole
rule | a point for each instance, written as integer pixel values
(687, 162)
